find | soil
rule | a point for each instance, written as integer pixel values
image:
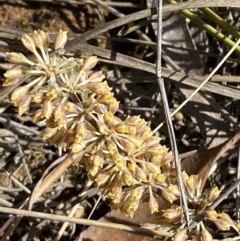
(50, 17)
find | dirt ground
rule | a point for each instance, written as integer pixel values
(50, 17)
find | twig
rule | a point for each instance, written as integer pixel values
(17, 125)
(65, 224)
(12, 223)
(121, 15)
(167, 114)
(35, 230)
(14, 179)
(108, 26)
(238, 187)
(87, 222)
(202, 84)
(23, 159)
(112, 3)
(166, 73)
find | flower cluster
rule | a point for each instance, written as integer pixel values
(123, 157)
(170, 219)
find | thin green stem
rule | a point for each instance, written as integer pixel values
(212, 16)
(208, 28)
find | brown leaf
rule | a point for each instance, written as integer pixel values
(202, 162)
(142, 215)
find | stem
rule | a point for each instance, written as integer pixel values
(208, 28)
(212, 16)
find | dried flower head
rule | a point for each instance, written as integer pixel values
(123, 157)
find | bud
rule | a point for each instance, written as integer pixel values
(133, 120)
(132, 207)
(168, 195)
(167, 158)
(113, 106)
(111, 120)
(62, 122)
(80, 131)
(58, 136)
(98, 159)
(23, 104)
(211, 214)
(37, 39)
(152, 141)
(152, 168)
(52, 94)
(198, 186)
(103, 128)
(137, 193)
(16, 58)
(75, 147)
(93, 170)
(127, 177)
(131, 167)
(47, 109)
(205, 235)
(226, 217)
(102, 179)
(38, 97)
(185, 178)
(89, 63)
(59, 112)
(38, 115)
(153, 204)
(213, 195)
(28, 42)
(100, 108)
(181, 236)
(96, 77)
(111, 146)
(174, 189)
(190, 183)
(71, 107)
(60, 40)
(222, 224)
(13, 74)
(19, 92)
(156, 159)
(134, 139)
(45, 39)
(160, 178)
(119, 161)
(49, 132)
(121, 128)
(140, 174)
(99, 88)
(106, 98)
(127, 145)
(172, 213)
(147, 132)
(154, 150)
